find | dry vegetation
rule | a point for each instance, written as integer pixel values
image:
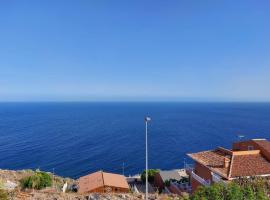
(54, 193)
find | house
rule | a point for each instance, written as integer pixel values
(245, 159)
(102, 182)
(172, 179)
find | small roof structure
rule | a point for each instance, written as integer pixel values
(176, 174)
(101, 179)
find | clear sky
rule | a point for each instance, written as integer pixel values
(135, 50)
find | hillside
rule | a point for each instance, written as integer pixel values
(10, 184)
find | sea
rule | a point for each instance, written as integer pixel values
(75, 139)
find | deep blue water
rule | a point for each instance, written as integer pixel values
(79, 138)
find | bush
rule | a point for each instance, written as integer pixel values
(151, 175)
(247, 190)
(234, 192)
(183, 180)
(37, 181)
(1, 184)
(3, 195)
(167, 183)
(248, 193)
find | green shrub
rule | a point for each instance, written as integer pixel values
(248, 193)
(1, 184)
(234, 192)
(167, 183)
(151, 175)
(3, 195)
(37, 181)
(261, 194)
(247, 190)
(200, 194)
(219, 191)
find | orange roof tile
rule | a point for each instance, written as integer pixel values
(241, 163)
(90, 182)
(249, 165)
(214, 160)
(115, 180)
(99, 179)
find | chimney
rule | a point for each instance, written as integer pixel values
(226, 162)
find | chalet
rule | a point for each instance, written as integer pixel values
(245, 159)
(102, 182)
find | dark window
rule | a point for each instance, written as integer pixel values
(250, 148)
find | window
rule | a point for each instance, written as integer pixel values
(250, 148)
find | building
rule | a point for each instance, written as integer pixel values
(175, 178)
(245, 159)
(102, 182)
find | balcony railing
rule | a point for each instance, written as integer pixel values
(189, 167)
(216, 178)
(200, 179)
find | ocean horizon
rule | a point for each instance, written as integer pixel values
(76, 138)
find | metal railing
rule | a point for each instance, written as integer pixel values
(216, 178)
(189, 167)
(200, 179)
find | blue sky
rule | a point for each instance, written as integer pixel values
(135, 50)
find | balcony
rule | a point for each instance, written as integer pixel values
(200, 179)
(216, 178)
(189, 168)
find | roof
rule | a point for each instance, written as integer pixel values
(99, 179)
(240, 163)
(90, 182)
(172, 174)
(115, 180)
(250, 165)
(214, 160)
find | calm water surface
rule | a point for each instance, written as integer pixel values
(78, 138)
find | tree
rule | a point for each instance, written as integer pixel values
(151, 175)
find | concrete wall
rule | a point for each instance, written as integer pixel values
(243, 146)
(194, 185)
(173, 189)
(158, 182)
(109, 189)
(201, 171)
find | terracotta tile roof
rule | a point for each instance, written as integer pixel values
(100, 179)
(90, 182)
(249, 165)
(241, 163)
(115, 180)
(214, 160)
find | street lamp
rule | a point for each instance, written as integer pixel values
(147, 119)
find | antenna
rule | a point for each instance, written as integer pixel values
(123, 168)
